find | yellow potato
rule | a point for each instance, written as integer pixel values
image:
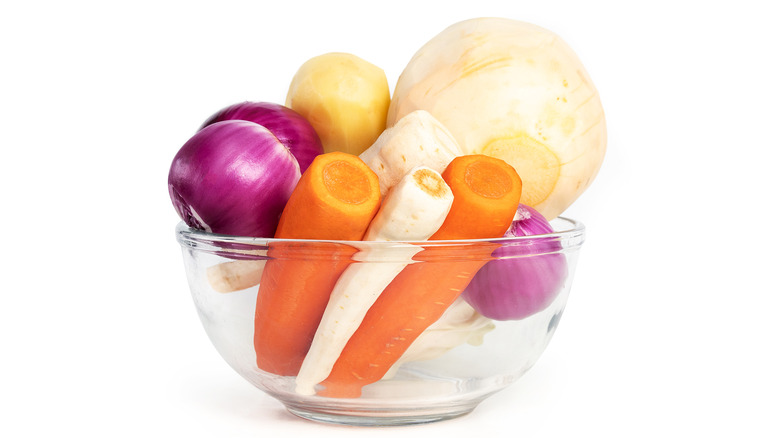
(344, 97)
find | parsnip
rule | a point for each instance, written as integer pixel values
(236, 275)
(413, 210)
(417, 139)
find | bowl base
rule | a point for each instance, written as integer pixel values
(379, 418)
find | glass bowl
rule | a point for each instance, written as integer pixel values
(446, 370)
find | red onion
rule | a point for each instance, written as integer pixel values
(233, 177)
(292, 129)
(526, 276)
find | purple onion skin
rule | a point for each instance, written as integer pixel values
(291, 128)
(525, 278)
(236, 176)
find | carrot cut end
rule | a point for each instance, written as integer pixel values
(487, 192)
(487, 179)
(335, 199)
(346, 182)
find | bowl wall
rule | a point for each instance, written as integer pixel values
(446, 372)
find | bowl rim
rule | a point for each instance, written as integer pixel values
(573, 233)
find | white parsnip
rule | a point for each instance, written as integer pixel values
(412, 211)
(417, 139)
(418, 204)
(236, 275)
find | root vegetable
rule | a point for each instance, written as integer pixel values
(413, 210)
(417, 139)
(336, 199)
(459, 324)
(422, 292)
(514, 91)
(236, 275)
(485, 188)
(344, 97)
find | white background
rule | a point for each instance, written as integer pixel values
(671, 329)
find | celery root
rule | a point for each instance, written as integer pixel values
(514, 91)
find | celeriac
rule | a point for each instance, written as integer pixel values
(514, 91)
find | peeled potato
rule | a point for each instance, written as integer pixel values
(344, 97)
(517, 92)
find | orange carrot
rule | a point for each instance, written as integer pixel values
(487, 193)
(335, 199)
(486, 189)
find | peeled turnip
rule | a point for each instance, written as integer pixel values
(514, 91)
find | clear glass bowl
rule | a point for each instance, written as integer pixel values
(448, 370)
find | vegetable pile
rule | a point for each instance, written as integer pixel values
(493, 129)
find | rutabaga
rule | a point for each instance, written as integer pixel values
(418, 139)
(412, 211)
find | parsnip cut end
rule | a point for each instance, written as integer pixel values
(431, 183)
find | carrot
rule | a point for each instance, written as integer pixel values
(486, 195)
(335, 199)
(485, 189)
(412, 210)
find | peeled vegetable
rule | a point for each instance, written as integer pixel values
(233, 177)
(344, 97)
(413, 210)
(289, 127)
(336, 199)
(422, 292)
(525, 278)
(416, 140)
(235, 275)
(514, 91)
(487, 192)
(459, 324)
